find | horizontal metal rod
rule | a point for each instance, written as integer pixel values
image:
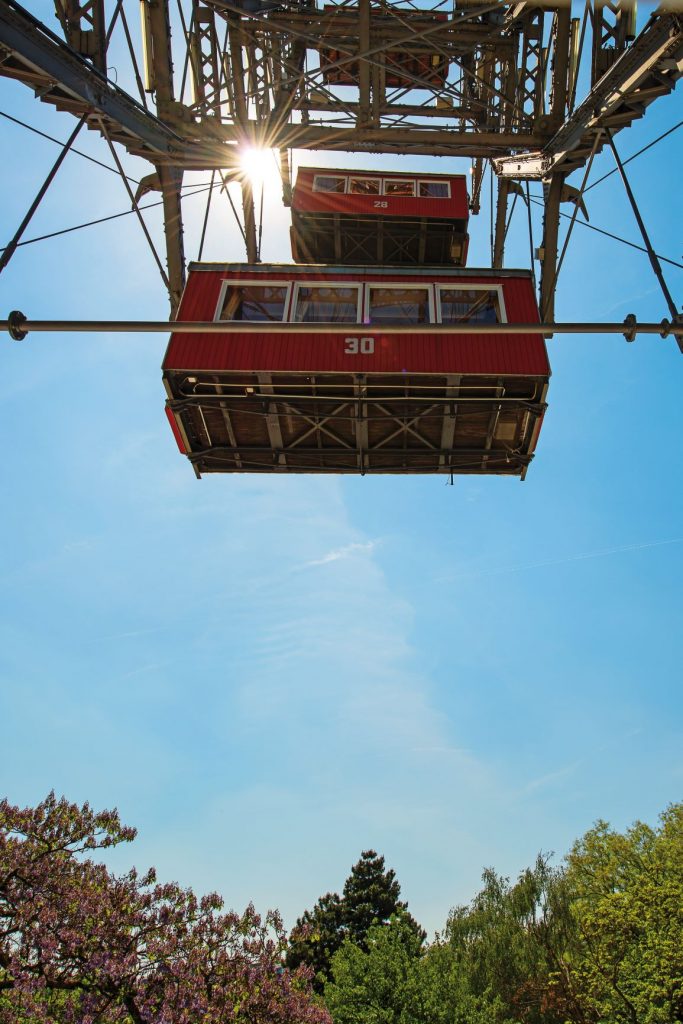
(218, 451)
(18, 326)
(349, 399)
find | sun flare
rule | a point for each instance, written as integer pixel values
(260, 166)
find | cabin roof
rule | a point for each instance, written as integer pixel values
(357, 172)
(355, 271)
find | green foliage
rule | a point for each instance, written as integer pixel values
(598, 941)
(508, 945)
(627, 899)
(370, 896)
(377, 983)
(316, 937)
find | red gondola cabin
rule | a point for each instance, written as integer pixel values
(417, 62)
(291, 388)
(361, 217)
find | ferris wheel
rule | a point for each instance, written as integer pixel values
(377, 348)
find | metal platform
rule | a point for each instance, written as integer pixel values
(356, 423)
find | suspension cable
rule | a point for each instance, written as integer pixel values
(654, 262)
(509, 220)
(654, 142)
(206, 217)
(111, 216)
(224, 188)
(145, 229)
(260, 226)
(11, 248)
(51, 138)
(609, 234)
(531, 234)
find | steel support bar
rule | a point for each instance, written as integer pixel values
(501, 222)
(160, 70)
(654, 262)
(363, 65)
(551, 226)
(416, 138)
(615, 101)
(171, 179)
(558, 108)
(69, 76)
(18, 325)
(11, 248)
(84, 28)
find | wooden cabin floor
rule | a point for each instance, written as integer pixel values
(356, 423)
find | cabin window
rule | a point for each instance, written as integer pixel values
(254, 302)
(399, 187)
(328, 183)
(465, 305)
(398, 305)
(365, 186)
(326, 304)
(434, 189)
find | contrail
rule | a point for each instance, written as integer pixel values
(562, 561)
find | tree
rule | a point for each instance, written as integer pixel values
(79, 944)
(627, 899)
(509, 945)
(370, 896)
(377, 983)
(316, 937)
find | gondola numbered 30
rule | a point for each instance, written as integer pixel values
(337, 369)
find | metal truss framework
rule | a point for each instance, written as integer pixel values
(460, 78)
(359, 423)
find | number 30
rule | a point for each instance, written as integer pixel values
(359, 346)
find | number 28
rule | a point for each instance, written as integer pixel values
(359, 346)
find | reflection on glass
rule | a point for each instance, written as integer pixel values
(462, 305)
(364, 186)
(433, 190)
(254, 302)
(327, 183)
(399, 188)
(399, 305)
(322, 304)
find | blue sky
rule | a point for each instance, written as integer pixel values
(268, 675)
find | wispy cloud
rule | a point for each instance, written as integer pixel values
(125, 635)
(626, 302)
(580, 557)
(549, 779)
(347, 551)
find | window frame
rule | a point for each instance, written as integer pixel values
(364, 177)
(307, 283)
(434, 181)
(327, 192)
(240, 282)
(440, 286)
(407, 286)
(399, 181)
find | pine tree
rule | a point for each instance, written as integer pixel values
(370, 897)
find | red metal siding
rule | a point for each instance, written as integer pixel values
(176, 431)
(305, 200)
(322, 352)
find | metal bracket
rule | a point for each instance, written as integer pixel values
(15, 325)
(674, 327)
(631, 325)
